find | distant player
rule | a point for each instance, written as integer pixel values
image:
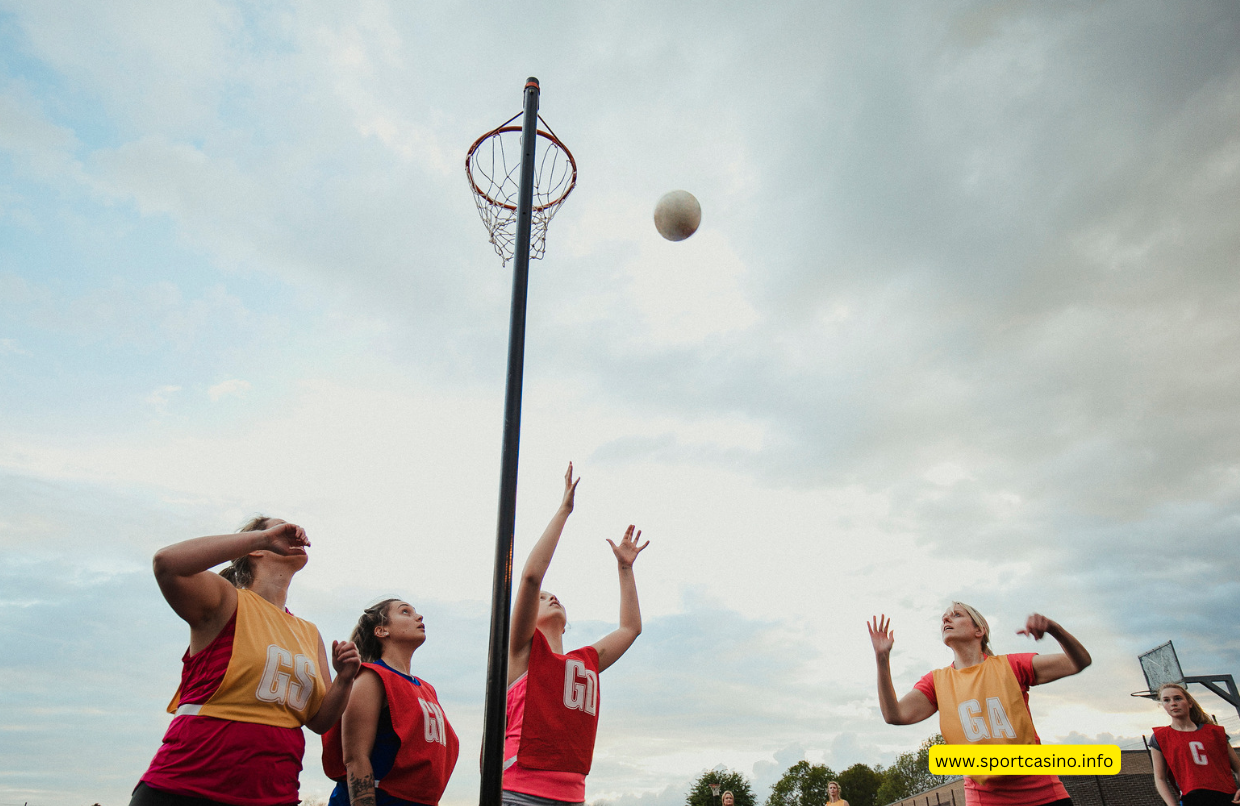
(553, 696)
(728, 798)
(833, 794)
(1193, 750)
(394, 746)
(252, 676)
(982, 698)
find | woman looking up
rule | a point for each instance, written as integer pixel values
(253, 674)
(1193, 750)
(978, 676)
(394, 746)
(553, 696)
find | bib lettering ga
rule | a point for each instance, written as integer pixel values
(983, 704)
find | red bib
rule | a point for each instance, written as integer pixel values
(561, 709)
(428, 745)
(1197, 758)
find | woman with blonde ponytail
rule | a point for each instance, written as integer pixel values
(1192, 756)
(394, 746)
(982, 698)
(253, 675)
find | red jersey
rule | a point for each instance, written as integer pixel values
(1197, 758)
(428, 745)
(989, 704)
(552, 723)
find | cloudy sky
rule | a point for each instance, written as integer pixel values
(962, 321)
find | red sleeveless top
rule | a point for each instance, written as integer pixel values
(1197, 758)
(552, 720)
(428, 745)
(561, 709)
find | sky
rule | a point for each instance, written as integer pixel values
(961, 322)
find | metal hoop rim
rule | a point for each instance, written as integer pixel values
(572, 183)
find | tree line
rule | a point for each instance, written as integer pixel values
(805, 784)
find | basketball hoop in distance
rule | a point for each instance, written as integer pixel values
(493, 166)
(714, 789)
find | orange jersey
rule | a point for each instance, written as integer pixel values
(273, 676)
(988, 704)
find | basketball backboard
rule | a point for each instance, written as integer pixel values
(1161, 665)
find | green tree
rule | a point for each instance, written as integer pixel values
(910, 774)
(729, 780)
(859, 785)
(803, 784)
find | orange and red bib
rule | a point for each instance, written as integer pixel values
(273, 676)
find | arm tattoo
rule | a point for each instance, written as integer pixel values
(361, 790)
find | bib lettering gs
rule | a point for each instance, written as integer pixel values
(272, 676)
(561, 709)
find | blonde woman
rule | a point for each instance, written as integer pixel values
(1194, 752)
(833, 793)
(253, 675)
(982, 698)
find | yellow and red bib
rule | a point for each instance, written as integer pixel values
(273, 676)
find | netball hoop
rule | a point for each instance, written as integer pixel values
(493, 166)
(519, 176)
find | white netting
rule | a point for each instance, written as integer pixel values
(493, 166)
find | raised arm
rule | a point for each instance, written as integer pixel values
(205, 600)
(611, 646)
(912, 707)
(347, 662)
(525, 603)
(1046, 668)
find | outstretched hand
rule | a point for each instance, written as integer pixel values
(881, 635)
(1036, 626)
(346, 660)
(627, 550)
(570, 489)
(286, 539)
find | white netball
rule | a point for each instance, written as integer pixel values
(677, 215)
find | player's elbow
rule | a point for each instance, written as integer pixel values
(161, 564)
